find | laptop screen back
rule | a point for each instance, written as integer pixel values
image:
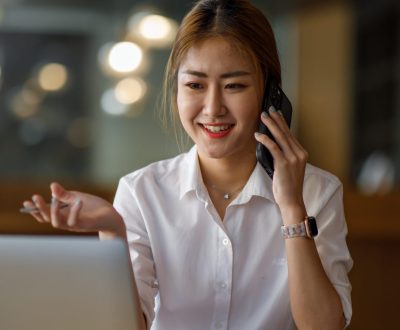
(66, 283)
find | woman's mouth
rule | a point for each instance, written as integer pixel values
(217, 130)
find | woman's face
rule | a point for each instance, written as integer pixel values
(219, 99)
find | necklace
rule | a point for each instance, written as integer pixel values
(226, 195)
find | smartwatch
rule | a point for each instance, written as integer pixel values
(308, 228)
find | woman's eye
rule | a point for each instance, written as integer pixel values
(194, 85)
(235, 86)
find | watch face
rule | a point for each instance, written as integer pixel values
(312, 225)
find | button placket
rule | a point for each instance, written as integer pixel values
(223, 281)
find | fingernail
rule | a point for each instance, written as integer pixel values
(272, 109)
(54, 200)
(257, 134)
(77, 202)
(265, 114)
(280, 112)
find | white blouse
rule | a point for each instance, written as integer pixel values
(194, 271)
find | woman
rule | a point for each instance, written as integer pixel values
(204, 228)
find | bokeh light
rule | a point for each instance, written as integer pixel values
(52, 77)
(125, 57)
(111, 105)
(152, 30)
(155, 27)
(25, 102)
(130, 90)
(377, 175)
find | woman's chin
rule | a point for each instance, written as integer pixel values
(214, 152)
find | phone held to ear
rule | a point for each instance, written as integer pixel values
(273, 95)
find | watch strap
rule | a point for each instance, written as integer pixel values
(307, 228)
(296, 230)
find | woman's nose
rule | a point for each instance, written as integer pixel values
(214, 104)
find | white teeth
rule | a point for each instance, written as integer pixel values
(216, 129)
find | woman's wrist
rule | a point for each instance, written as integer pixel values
(293, 215)
(118, 230)
(108, 235)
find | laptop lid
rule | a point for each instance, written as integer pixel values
(66, 283)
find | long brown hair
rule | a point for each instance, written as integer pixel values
(237, 20)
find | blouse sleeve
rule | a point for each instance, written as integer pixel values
(331, 240)
(128, 207)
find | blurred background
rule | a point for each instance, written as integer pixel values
(79, 88)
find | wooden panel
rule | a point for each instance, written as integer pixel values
(375, 281)
(375, 216)
(324, 82)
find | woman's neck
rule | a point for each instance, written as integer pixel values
(227, 174)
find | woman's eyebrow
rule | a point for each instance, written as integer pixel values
(235, 74)
(223, 76)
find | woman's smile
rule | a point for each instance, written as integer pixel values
(217, 131)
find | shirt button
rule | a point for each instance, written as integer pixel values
(225, 241)
(222, 285)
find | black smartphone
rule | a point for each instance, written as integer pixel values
(273, 95)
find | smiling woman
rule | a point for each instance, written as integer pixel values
(227, 246)
(257, 33)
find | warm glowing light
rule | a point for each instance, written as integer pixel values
(130, 90)
(155, 27)
(111, 105)
(153, 30)
(125, 57)
(30, 96)
(53, 77)
(25, 102)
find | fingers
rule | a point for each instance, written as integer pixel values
(279, 130)
(29, 205)
(273, 147)
(61, 194)
(60, 219)
(43, 208)
(278, 118)
(61, 213)
(74, 213)
(285, 146)
(55, 213)
(63, 220)
(281, 122)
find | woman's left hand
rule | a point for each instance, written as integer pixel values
(290, 160)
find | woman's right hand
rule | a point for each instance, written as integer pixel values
(85, 213)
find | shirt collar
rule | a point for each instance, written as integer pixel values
(259, 183)
(190, 176)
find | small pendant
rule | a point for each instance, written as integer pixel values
(227, 196)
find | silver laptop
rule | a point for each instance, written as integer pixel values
(66, 283)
